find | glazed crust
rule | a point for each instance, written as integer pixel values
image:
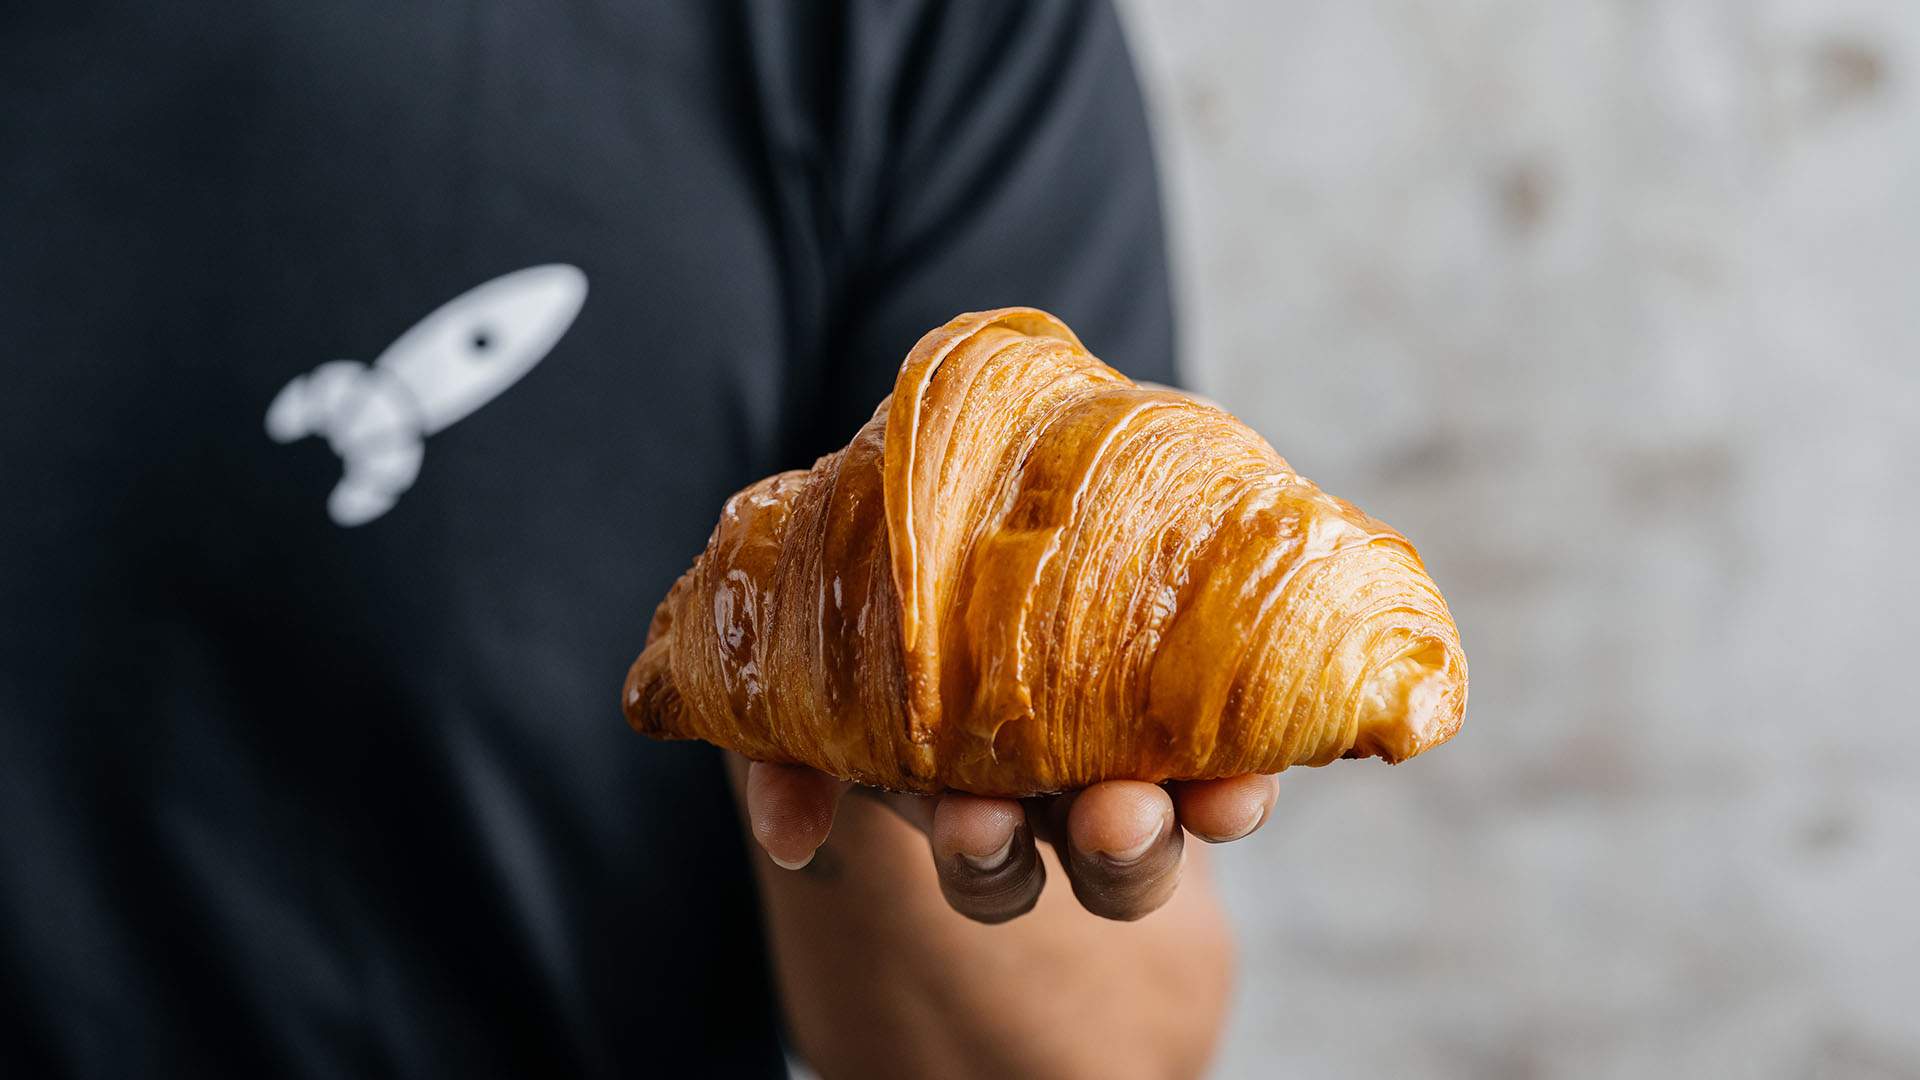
(1027, 574)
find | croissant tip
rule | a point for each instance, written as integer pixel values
(630, 695)
(1411, 706)
(648, 698)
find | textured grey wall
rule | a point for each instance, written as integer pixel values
(1612, 308)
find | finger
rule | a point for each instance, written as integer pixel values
(989, 869)
(791, 810)
(1221, 810)
(1123, 848)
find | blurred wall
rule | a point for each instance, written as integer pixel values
(1612, 308)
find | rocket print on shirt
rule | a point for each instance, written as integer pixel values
(377, 417)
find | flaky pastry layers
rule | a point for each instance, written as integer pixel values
(1027, 574)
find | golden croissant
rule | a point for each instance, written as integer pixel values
(1029, 574)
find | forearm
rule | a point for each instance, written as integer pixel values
(881, 977)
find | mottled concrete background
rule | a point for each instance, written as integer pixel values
(1614, 308)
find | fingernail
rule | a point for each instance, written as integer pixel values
(1138, 851)
(785, 865)
(986, 864)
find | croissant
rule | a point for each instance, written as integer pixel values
(1028, 573)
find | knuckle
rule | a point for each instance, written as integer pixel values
(993, 896)
(995, 913)
(1129, 892)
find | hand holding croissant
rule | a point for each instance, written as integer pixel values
(1028, 574)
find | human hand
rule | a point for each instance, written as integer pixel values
(1119, 842)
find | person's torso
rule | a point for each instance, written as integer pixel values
(298, 789)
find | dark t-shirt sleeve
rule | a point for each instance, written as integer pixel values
(980, 155)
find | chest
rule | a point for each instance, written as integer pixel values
(215, 207)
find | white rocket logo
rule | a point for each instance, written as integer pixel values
(450, 363)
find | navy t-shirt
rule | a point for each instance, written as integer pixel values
(371, 370)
